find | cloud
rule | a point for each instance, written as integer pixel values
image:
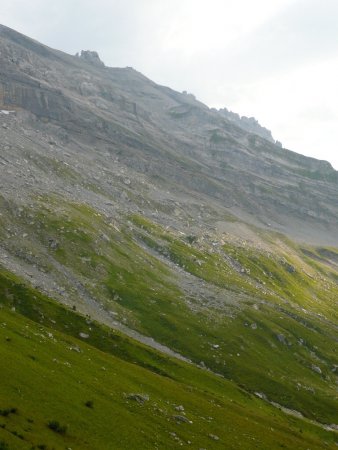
(306, 31)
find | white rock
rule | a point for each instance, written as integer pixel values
(84, 335)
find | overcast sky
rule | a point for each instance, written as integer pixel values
(276, 60)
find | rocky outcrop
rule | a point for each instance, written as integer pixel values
(249, 124)
(27, 94)
(91, 57)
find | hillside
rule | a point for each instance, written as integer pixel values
(195, 261)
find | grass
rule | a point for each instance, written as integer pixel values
(50, 388)
(282, 290)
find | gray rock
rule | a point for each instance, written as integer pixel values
(213, 436)
(53, 244)
(75, 349)
(179, 408)
(281, 338)
(316, 369)
(139, 398)
(181, 419)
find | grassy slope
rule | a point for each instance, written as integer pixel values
(286, 300)
(282, 329)
(49, 375)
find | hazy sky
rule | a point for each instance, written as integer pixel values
(276, 60)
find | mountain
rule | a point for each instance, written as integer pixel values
(193, 259)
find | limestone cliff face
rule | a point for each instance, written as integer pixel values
(21, 93)
(249, 124)
(92, 57)
(178, 144)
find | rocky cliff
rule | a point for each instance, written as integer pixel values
(249, 124)
(170, 138)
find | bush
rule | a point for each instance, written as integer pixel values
(6, 412)
(57, 427)
(89, 404)
(192, 239)
(3, 445)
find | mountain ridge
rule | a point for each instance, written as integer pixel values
(144, 115)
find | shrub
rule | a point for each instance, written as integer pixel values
(3, 445)
(89, 404)
(19, 435)
(57, 427)
(192, 239)
(6, 412)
